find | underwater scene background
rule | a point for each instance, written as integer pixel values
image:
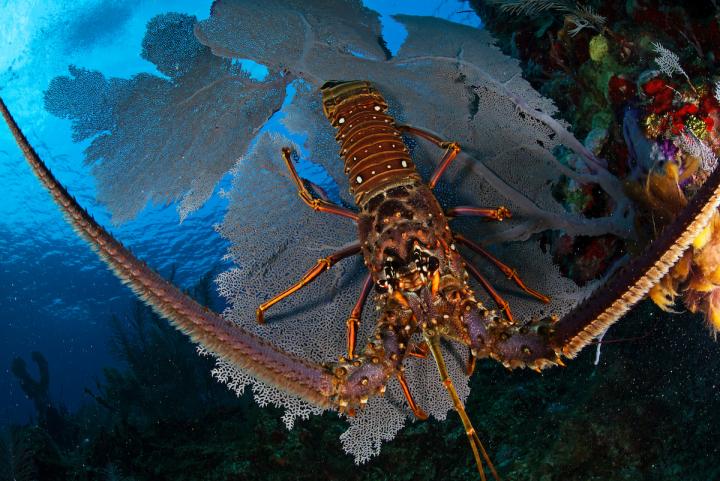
(96, 386)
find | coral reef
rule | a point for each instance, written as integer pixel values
(656, 89)
(17, 461)
(51, 418)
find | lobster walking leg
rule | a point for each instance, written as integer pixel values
(316, 204)
(419, 350)
(470, 366)
(321, 266)
(507, 270)
(355, 315)
(417, 410)
(451, 150)
(499, 214)
(501, 303)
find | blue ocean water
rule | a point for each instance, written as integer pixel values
(55, 295)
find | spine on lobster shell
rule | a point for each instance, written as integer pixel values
(371, 146)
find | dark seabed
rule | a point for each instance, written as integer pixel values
(594, 122)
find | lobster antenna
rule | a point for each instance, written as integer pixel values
(477, 447)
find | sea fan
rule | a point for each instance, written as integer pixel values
(583, 16)
(531, 7)
(669, 62)
(462, 87)
(168, 139)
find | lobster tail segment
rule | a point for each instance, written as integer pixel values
(371, 146)
(336, 92)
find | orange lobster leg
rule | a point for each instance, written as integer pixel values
(507, 270)
(419, 350)
(451, 150)
(501, 303)
(499, 214)
(353, 322)
(470, 366)
(321, 266)
(315, 204)
(417, 410)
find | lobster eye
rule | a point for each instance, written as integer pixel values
(433, 264)
(389, 271)
(381, 285)
(391, 266)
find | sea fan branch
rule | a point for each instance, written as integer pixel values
(617, 223)
(669, 63)
(531, 7)
(582, 16)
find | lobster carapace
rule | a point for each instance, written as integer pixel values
(414, 265)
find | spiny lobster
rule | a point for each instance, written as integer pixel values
(414, 265)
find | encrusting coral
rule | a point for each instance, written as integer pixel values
(662, 137)
(681, 127)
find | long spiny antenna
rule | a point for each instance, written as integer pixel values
(243, 349)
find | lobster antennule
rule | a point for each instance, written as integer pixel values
(476, 445)
(260, 358)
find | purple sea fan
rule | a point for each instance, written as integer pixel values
(691, 145)
(167, 138)
(668, 149)
(171, 137)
